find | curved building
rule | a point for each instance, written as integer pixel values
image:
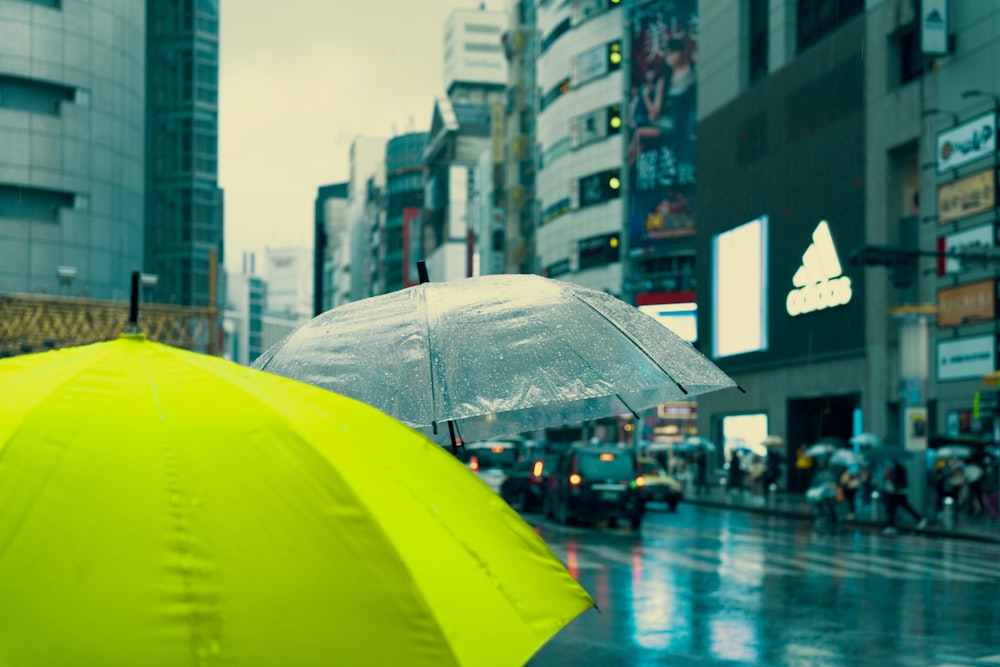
(71, 146)
(578, 131)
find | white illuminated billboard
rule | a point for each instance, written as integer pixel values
(739, 289)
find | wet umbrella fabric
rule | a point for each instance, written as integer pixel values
(160, 507)
(498, 354)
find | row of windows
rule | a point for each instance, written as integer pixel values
(33, 96)
(482, 48)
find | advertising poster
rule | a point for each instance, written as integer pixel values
(662, 122)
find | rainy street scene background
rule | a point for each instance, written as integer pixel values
(500, 332)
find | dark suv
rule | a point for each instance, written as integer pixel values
(596, 483)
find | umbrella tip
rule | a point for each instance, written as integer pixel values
(422, 272)
(133, 308)
(742, 390)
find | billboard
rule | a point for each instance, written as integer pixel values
(966, 304)
(678, 311)
(972, 140)
(967, 241)
(662, 122)
(966, 196)
(739, 289)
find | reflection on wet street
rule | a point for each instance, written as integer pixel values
(711, 587)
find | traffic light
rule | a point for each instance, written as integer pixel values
(614, 119)
(614, 55)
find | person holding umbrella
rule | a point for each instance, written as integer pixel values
(894, 492)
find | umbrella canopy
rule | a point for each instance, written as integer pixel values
(845, 457)
(820, 450)
(863, 441)
(693, 442)
(496, 354)
(160, 507)
(954, 451)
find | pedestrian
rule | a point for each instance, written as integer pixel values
(736, 474)
(894, 493)
(803, 468)
(756, 475)
(991, 488)
(850, 482)
(701, 471)
(822, 493)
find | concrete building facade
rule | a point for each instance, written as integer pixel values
(72, 122)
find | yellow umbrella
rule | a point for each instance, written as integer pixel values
(160, 507)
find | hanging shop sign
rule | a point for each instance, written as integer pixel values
(965, 358)
(967, 196)
(966, 304)
(969, 141)
(968, 241)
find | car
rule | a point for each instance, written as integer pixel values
(524, 487)
(596, 483)
(660, 486)
(492, 460)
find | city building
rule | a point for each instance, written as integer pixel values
(72, 95)
(578, 179)
(472, 53)
(184, 204)
(289, 277)
(404, 200)
(243, 319)
(329, 224)
(516, 181)
(109, 118)
(857, 133)
(366, 182)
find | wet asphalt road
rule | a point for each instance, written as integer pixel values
(713, 587)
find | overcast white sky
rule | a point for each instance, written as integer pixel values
(298, 80)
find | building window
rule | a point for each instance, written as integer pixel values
(759, 16)
(818, 18)
(28, 203)
(487, 29)
(912, 62)
(483, 48)
(32, 95)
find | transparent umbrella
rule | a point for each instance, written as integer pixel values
(495, 355)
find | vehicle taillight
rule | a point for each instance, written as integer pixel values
(575, 479)
(640, 481)
(536, 470)
(474, 464)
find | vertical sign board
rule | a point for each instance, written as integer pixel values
(934, 26)
(967, 304)
(662, 138)
(966, 358)
(968, 241)
(973, 139)
(966, 196)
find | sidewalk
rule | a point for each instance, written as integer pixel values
(794, 506)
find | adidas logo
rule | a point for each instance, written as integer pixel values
(819, 283)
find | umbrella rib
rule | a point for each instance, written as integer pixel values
(430, 361)
(634, 342)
